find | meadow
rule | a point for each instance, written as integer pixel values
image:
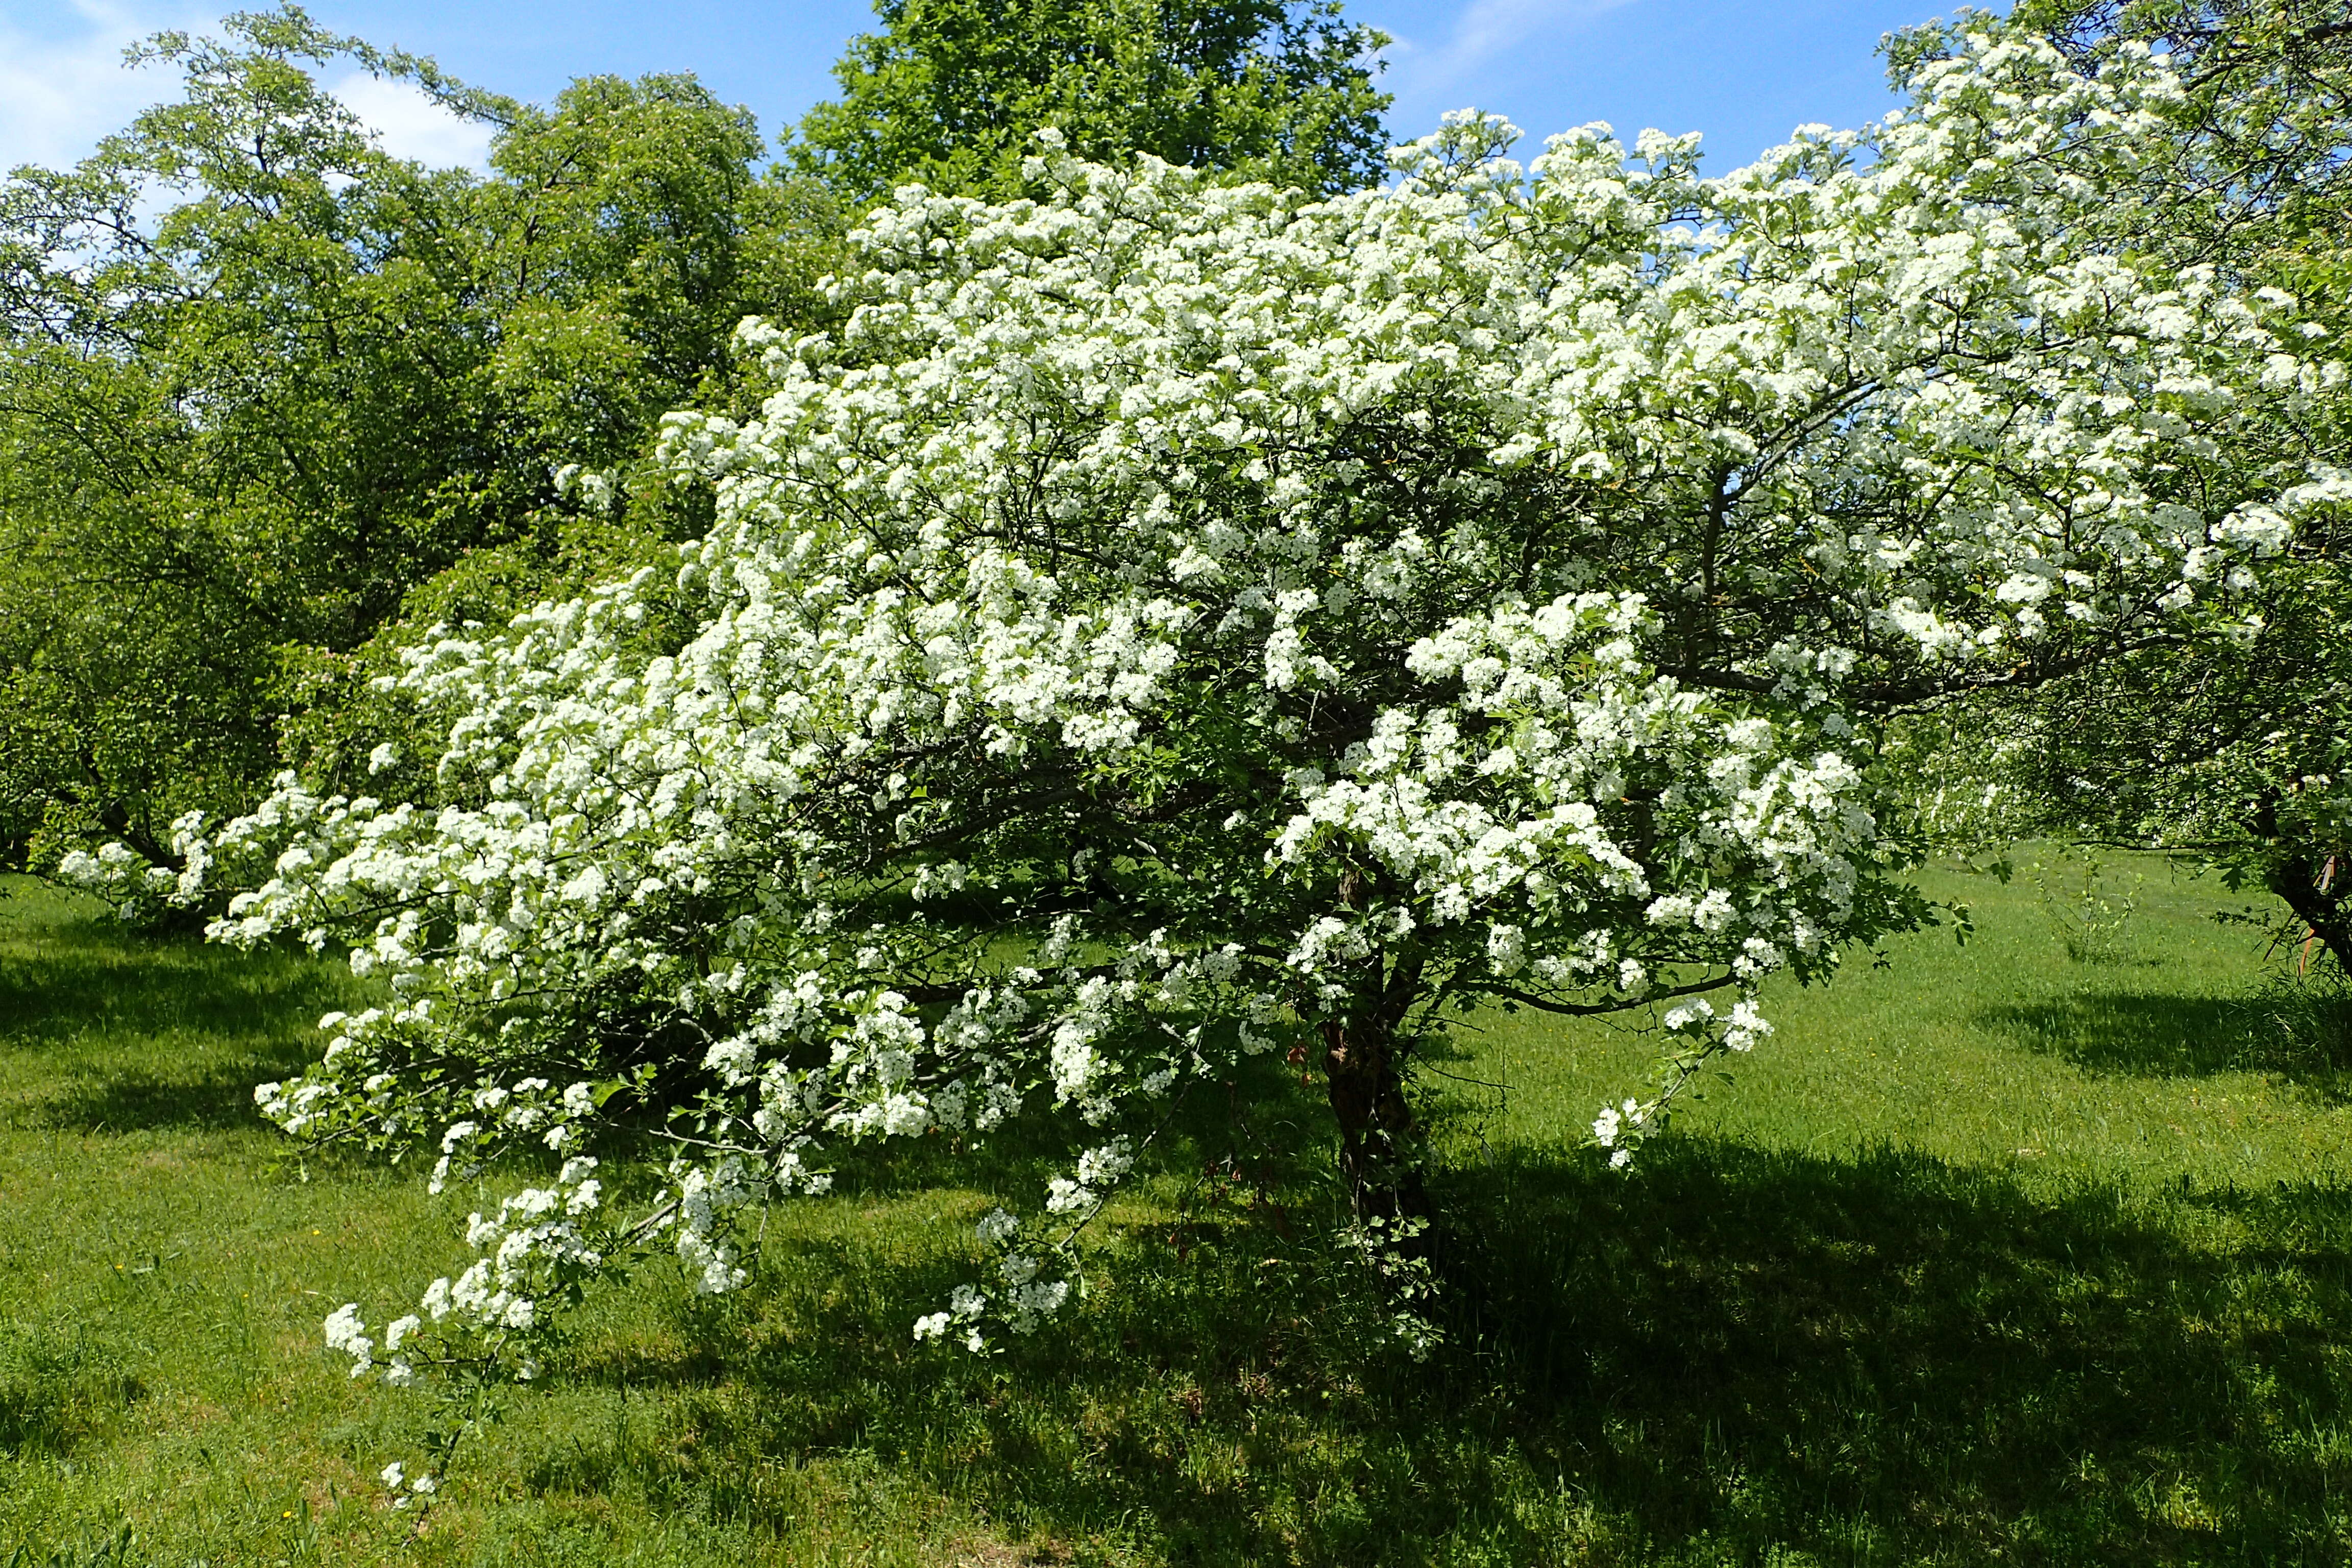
(1991, 1255)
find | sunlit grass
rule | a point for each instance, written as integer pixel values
(1986, 1256)
(2001, 1054)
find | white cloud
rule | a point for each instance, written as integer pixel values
(1484, 29)
(63, 86)
(63, 89)
(413, 126)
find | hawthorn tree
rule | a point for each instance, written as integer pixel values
(1175, 620)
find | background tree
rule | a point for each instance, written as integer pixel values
(222, 426)
(321, 388)
(950, 91)
(2231, 742)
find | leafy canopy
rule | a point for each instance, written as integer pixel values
(260, 382)
(948, 92)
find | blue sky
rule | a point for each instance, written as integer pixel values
(1742, 73)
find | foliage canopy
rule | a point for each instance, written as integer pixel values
(260, 380)
(948, 92)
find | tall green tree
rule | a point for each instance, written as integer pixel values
(222, 431)
(264, 388)
(949, 93)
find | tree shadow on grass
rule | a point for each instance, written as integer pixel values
(214, 1096)
(1895, 1353)
(86, 983)
(1728, 1352)
(114, 1031)
(2153, 1034)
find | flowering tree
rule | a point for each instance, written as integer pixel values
(1176, 621)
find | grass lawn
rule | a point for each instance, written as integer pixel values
(1988, 1257)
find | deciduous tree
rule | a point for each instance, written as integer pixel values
(948, 92)
(261, 382)
(2230, 742)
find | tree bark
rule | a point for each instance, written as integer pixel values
(1379, 1137)
(2314, 884)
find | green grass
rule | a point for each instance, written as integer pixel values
(1988, 1257)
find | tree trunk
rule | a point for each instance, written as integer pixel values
(2314, 884)
(1380, 1138)
(2315, 890)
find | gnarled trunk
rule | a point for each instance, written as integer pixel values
(1379, 1137)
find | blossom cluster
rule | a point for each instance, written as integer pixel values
(532, 1249)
